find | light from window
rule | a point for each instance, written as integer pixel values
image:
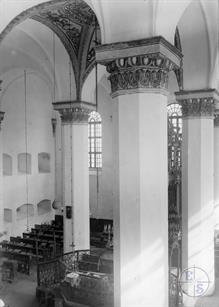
(94, 140)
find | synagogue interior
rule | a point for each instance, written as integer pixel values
(109, 153)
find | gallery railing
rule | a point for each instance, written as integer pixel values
(52, 272)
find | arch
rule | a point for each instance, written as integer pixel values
(7, 215)
(44, 206)
(44, 162)
(24, 211)
(55, 15)
(197, 60)
(7, 165)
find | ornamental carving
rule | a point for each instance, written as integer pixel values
(1, 117)
(196, 107)
(216, 120)
(74, 115)
(143, 71)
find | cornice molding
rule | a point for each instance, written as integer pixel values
(140, 64)
(74, 111)
(197, 103)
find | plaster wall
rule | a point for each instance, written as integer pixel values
(20, 189)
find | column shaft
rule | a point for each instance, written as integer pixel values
(141, 210)
(198, 187)
(216, 172)
(76, 185)
(74, 117)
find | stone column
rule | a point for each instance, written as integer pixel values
(139, 75)
(216, 170)
(2, 228)
(74, 116)
(198, 186)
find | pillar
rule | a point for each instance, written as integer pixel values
(139, 75)
(74, 117)
(2, 228)
(198, 186)
(216, 170)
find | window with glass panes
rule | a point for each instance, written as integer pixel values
(94, 140)
(174, 134)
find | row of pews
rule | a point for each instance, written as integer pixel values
(43, 242)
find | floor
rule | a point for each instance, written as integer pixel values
(21, 292)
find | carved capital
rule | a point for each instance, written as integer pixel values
(140, 65)
(1, 117)
(197, 103)
(74, 111)
(139, 72)
(216, 118)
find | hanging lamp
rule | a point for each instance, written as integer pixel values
(26, 146)
(56, 204)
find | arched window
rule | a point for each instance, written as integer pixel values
(8, 215)
(25, 210)
(44, 162)
(94, 140)
(174, 135)
(24, 163)
(7, 165)
(44, 207)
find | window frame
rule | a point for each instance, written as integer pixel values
(95, 141)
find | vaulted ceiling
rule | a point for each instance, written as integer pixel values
(76, 26)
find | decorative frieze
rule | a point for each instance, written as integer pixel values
(74, 112)
(197, 103)
(139, 65)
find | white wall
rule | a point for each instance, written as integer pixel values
(39, 139)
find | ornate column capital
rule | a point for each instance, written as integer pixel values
(216, 118)
(140, 65)
(197, 103)
(1, 117)
(74, 111)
